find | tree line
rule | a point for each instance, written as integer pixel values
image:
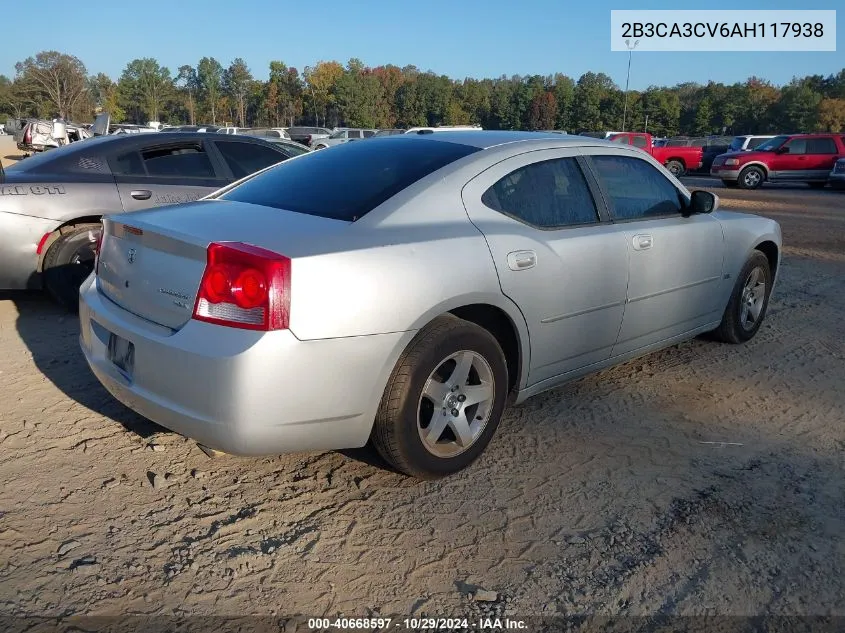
(53, 84)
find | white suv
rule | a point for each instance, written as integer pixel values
(747, 142)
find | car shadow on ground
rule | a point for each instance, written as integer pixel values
(14, 157)
(52, 336)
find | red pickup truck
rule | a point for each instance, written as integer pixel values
(677, 160)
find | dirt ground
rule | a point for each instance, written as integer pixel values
(704, 479)
(9, 153)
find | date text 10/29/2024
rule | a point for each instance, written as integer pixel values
(415, 624)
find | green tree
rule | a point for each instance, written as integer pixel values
(564, 91)
(210, 85)
(702, 125)
(237, 84)
(105, 97)
(798, 107)
(144, 87)
(54, 79)
(188, 83)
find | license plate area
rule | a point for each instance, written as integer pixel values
(122, 354)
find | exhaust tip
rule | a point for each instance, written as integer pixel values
(212, 453)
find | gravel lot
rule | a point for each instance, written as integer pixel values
(705, 479)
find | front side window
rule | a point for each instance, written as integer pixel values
(797, 146)
(637, 189)
(247, 158)
(549, 194)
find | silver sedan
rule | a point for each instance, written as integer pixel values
(406, 289)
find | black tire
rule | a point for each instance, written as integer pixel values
(751, 177)
(68, 262)
(817, 185)
(398, 425)
(732, 329)
(730, 184)
(676, 168)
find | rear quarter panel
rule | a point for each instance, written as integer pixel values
(398, 275)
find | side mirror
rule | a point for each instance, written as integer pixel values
(703, 202)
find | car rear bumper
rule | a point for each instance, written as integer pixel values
(19, 238)
(725, 173)
(240, 391)
(837, 177)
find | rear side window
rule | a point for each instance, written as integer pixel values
(247, 158)
(174, 161)
(349, 181)
(821, 146)
(637, 190)
(549, 194)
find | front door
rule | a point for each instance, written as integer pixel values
(675, 263)
(565, 269)
(159, 175)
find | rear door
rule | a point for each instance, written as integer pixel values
(822, 153)
(565, 268)
(160, 174)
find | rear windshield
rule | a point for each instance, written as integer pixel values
(349, 181)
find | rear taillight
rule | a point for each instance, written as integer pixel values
(308, 140)
(244, 286)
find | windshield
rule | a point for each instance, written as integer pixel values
(772, 144)
(349, 181)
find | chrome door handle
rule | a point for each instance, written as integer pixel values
(521, 260)
(642, 242)
(141, 194)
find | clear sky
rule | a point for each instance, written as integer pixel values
(458, 38)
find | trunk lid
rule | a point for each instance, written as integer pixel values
(152, 262)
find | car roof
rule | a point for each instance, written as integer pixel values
(484, 139)
(97, 145)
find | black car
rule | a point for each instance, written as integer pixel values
(53, 202)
